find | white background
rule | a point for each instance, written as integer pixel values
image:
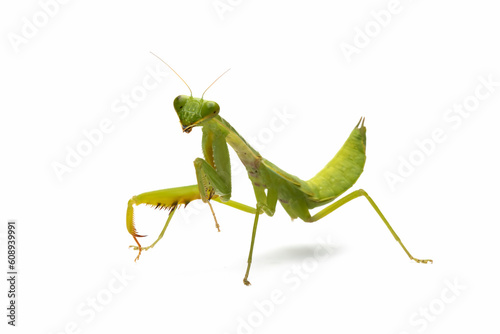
(284, 56)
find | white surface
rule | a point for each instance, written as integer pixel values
(284, 55)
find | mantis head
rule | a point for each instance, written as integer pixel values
(193, 111)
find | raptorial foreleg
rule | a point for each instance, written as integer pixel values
(169, 199)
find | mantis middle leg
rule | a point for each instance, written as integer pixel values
(267, 204)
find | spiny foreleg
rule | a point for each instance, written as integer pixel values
(170, 199)
(167, 199)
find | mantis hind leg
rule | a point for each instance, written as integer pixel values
(355, 194)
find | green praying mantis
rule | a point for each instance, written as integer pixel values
(270, 183)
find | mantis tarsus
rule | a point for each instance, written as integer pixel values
(270, 183)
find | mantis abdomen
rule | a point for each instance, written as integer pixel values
(343, 170)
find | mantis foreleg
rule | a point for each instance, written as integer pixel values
(140, 248)
(169, 199)
(211, 183)
(214, 173)
(355, 194)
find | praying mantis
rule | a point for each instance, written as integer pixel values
(270, 183)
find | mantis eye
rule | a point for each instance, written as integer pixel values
(179, 102)
(210, 108)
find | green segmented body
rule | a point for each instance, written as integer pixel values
(343, 170)
(295, 195)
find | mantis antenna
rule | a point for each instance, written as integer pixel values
(213, 83)
(175, 72)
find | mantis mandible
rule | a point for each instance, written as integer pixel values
(270, 183)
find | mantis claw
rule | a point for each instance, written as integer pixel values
(140, 248)
(422, 261)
